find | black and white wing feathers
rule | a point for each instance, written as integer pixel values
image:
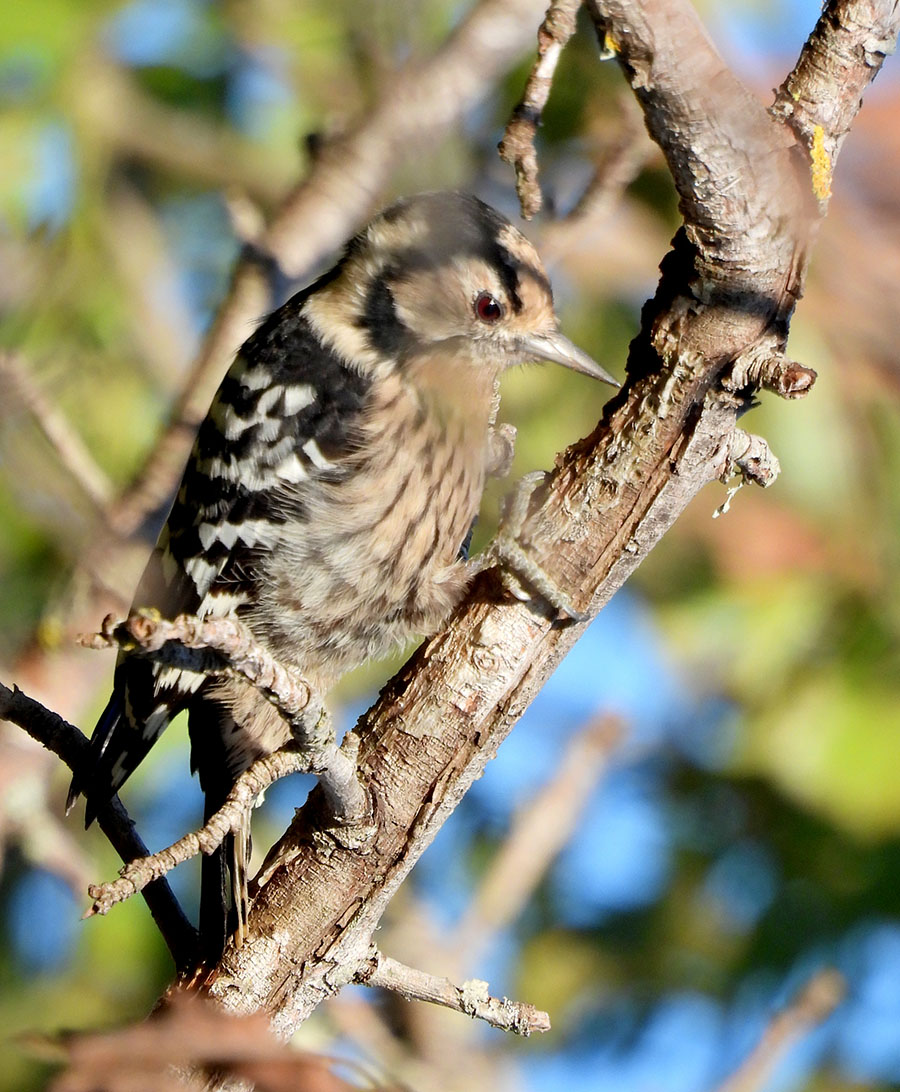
(284, 414)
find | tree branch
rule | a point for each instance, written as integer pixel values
(539, 831)
(229, 819)
(223, 646)
(70, 744)
(471, 998)
(823, 93)
(517, 146)
(70, 449)
(811, 1007)
(728, 288)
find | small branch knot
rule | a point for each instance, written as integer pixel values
(763, 366)
(752, 458)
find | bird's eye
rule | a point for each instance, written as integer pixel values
(488, 308)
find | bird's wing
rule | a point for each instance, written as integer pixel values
(282, 417)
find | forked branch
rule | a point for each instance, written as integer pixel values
(728, 289)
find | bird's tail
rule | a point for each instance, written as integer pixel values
(135, 716)
(224, 899)
(90, 774)
(240, 871)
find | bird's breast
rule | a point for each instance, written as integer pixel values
(373, 558)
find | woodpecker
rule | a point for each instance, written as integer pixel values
(331, 490)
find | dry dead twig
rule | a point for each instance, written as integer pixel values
(517, 146)
(231, 818)
(472, 998)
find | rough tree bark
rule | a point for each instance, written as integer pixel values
(753, 184)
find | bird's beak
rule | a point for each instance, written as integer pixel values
(557, 348)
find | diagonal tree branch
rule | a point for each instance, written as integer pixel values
(539, 831)
(726, 294)
(823, 94)
(65, 440)
(811, 1006)
(68, 742)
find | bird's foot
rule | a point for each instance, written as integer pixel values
(522, 575)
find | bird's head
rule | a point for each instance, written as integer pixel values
(444, 273)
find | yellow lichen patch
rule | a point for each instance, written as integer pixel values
(821, 165)
(609, 47)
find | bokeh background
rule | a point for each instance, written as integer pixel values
(715, 767)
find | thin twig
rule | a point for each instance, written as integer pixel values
(517, 146)
(70, 744)
(812, 1005)
(229, 819)
(472, 997)
(223, 646)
